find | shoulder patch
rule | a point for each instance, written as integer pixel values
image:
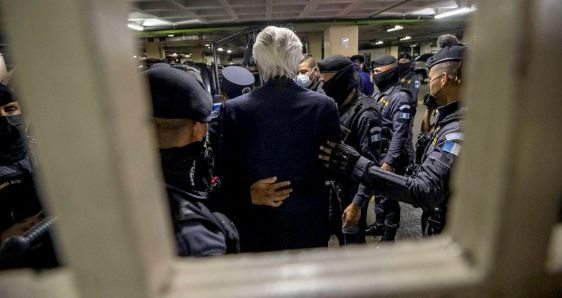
(405, 115)
(455, 136)
(404, 107)
(417, 84)
(452, 147)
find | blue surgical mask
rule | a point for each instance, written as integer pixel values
(303, 80)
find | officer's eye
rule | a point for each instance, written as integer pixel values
(11, 109)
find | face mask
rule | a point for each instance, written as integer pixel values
(12, 139)
(404, 68)
(188, 167)
(303, 80)
(340, 86)
(386, 79)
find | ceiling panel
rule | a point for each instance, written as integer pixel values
(417, 15)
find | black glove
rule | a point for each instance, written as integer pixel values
(430, 101)
(343, 159)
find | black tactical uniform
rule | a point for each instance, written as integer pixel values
(396, 109)
(198, 231)
(360, 121)
(411, 81)
(18, 197)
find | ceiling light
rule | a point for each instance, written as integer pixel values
(135, 27)
(220, 49)
(395, 28)
(170, 35)
(229, 51)
(379, 42)
(207, 45)
(155, 22)
(406, 38)
(455, 12)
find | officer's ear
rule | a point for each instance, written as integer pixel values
(445, 79)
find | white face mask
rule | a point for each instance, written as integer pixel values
(303, 80)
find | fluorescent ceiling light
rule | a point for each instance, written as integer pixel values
(455, 12)
(220, 49)
(207, 45)
(424, 12)
(406, 38)
(229, 51)
(135, 27)
(379, 42)
(395, 28)
(155, 22)
(194, 21)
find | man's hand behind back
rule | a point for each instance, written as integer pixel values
(267, 192)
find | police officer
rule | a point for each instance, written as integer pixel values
(182, 109)
(396, 108)
(20, 208)
(235, 81)
(365, 85)
(360, 121)
(409, 80)
(309, 75)
(428, 188)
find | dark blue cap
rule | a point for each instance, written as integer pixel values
(357, 58)
(6, 95)
(177, 95)
(404, 55)
(236, 81)
(334, 63)
(383, 60)
(160, 64)
(453, 53)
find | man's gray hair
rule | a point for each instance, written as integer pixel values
(277, 52)
(447, 40)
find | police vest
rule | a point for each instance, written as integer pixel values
(18, 198)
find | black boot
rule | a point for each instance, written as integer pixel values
(375, 230)
(389, 234)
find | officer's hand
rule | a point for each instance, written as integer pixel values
(339, 158)
(351, 215)
(20, 227)
(268, 193)
(387, 167)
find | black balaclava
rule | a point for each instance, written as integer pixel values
(12, 132)
(187, 167)
(12, 139)
(341, 84)
(404, 68)
(386, 79)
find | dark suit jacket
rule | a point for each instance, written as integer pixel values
(277, 131)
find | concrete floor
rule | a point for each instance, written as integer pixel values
(409, 217)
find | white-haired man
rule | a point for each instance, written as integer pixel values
(272, 134)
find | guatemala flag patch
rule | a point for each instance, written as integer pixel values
(376, 138)
(405, 116)
(452, 147)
